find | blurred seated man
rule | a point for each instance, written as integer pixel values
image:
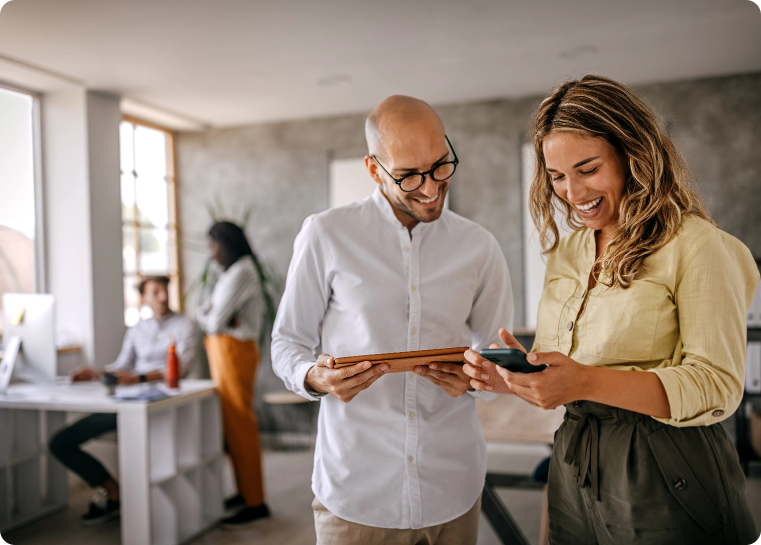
(142, 359)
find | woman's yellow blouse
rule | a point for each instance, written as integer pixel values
(683, 317)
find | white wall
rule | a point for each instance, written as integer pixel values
(80, 132)
(67, 213)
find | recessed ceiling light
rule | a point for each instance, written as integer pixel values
(578, 52)
(333, 80)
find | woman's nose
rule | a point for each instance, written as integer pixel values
(576, 191)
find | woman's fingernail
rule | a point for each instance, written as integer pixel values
(384, 367)
(432, 366)
(485, 376)
(417, 370)
(367, 365)
(531, 357)
(489, 388)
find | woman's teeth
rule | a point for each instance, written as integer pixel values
(586, 208)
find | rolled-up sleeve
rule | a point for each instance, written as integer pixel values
(704, 381)
(296, 333)
(229, 293)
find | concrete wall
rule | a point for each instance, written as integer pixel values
(282, 169)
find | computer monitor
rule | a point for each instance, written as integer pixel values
(31, 318)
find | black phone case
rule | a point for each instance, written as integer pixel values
(511, 359)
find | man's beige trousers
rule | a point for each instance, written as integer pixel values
(332, 530)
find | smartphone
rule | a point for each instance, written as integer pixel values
(511, 359)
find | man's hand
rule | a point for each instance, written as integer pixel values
(449, 376)
(85, 374)
(344, 383)
(484, 373)
(126, 378)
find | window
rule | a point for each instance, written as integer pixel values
(19, 232)
(149, 222)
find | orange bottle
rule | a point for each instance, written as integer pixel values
(172, 368)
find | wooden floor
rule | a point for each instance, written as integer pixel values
(288, 477)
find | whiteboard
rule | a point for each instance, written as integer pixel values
(349, 181)
(534, 262)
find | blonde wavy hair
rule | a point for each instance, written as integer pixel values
(658, 188)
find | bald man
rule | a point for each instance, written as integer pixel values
(400, 458)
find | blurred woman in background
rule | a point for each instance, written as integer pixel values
(231, 318)
(641, 326)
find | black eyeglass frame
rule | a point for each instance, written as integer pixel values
(399, 181)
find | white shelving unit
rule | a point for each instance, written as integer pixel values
(170, 458)
(186, 486)
(32, 483)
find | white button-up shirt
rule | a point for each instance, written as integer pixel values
(403, 453)
(146, 345)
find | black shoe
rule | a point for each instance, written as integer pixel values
(235, 502)
(247, 516)
(101, 510)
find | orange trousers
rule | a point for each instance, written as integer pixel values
(233, 366)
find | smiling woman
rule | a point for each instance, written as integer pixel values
(641, 327)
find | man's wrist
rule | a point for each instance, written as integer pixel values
(309, 385)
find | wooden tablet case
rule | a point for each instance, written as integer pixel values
(400, 362)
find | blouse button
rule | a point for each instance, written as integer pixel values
(717, 413)
(570, 325)
(406, 248)
(410, 458)
(680, 484)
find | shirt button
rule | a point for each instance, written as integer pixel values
(410, 458)
(413, 331)
(413, 288)
(680, 484)
(406, 248)
(717, 413)
(412, 414)
(570, 325)
(411, 374)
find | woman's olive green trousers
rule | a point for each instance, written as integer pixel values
(619, 477)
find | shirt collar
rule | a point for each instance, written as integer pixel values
(384, 206)
(166, 318)
(388, 212)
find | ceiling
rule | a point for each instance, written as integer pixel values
(235, 62)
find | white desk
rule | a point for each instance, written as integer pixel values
(170, 458)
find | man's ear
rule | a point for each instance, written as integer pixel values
(372, 168)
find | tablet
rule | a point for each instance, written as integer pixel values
(400, 362)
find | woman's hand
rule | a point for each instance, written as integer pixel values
(563, 381)
(482, 372)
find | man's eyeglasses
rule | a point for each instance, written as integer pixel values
(439, 172)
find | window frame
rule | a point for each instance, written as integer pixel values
(172, 223)
(40, 269)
